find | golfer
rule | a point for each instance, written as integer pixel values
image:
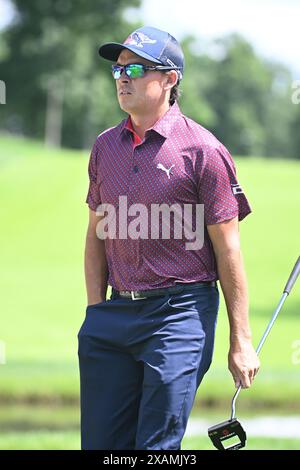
(144, 351)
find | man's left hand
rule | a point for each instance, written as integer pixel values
(243, 363)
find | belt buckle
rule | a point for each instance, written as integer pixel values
(136, 298)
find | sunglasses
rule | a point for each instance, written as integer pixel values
(137, 70)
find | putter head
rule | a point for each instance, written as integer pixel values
(230, 431)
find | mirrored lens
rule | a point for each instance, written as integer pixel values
(116, 71)
(131, 70)
(134, 70)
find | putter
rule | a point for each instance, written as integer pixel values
(230, 435)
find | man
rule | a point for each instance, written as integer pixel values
(144, 352)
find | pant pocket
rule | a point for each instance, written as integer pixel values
(184, 303)
(97, 304)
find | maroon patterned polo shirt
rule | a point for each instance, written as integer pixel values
(180, 162)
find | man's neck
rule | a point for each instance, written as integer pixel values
(141, 123)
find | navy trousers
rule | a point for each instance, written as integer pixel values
(141, 362)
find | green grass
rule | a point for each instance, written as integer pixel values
(40, 440)
(70, 440)
(57, 427)
(35, 417)
(43, 224)
(258, 443)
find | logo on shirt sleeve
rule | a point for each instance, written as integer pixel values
(237, 189)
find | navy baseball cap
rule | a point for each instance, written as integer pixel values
(150, 43)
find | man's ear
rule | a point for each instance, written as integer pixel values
(172, 79)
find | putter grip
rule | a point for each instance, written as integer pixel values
(293, 277)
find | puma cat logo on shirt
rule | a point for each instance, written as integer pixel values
(161, 167)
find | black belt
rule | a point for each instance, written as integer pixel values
(144, 294)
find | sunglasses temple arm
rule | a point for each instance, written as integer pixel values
(166, 67)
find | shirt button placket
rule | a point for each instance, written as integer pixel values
(133, 198)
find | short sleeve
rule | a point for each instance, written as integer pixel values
(93, 197)
(218, 187)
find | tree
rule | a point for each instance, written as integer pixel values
(198, 80)
(241, 98)
(295, 131)
(52, 63)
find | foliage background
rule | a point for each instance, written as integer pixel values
(49, 62)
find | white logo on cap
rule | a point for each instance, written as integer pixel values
(170, 63)
(138, 39)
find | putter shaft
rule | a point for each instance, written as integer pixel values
(263, 339)
(288, 287)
